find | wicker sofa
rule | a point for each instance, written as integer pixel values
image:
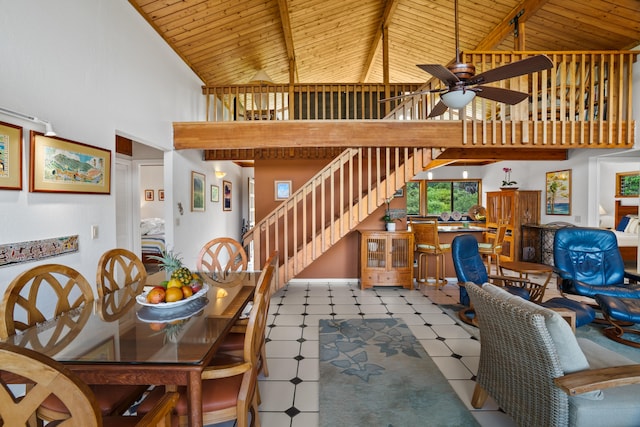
(541, 375)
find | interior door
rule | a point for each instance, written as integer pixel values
(124, 205)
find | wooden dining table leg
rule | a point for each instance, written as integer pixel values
(194, 392)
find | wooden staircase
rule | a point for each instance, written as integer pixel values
(331, 205)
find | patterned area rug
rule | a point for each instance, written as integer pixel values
(375, 373)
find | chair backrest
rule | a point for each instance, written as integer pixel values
(518, 360)
(222, 255)
(498, 241)
(41, 293)
(588, 255)
(48, 378)
(426, 233)
(118, 268)
(467, 260)
(467, 263)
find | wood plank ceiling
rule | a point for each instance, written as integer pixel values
(340, 41)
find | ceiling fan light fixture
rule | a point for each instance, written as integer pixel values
(457, 98)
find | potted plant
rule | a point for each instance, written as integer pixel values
(506, 182)
(390, 224)
(391, 216)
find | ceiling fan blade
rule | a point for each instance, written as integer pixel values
(499, 94)
(441, 72)
(438, 110)
(407, 95)
(518, 68)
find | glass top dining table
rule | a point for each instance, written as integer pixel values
(120, 340)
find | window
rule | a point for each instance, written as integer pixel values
(627, 184)
(442, 196)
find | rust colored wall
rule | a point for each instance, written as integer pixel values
(342, 260)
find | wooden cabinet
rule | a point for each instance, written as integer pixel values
(516, 207)
(386, 258)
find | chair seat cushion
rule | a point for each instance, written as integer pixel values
(623, 309)
(109, 397)
(485, 246)
(517, 291)
(584, 313)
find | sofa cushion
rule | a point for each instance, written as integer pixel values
(624, 221)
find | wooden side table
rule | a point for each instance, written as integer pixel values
(524, 269)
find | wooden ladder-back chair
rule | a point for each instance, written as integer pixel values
(230, 391)
(233, 343)
(427, 242)
(493, 249)
(118, 268)
(222, 255)
(46, 378)
(28, 301)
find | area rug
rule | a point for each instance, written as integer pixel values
(375, 373)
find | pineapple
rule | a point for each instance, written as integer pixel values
(183, 274)
(169, 261)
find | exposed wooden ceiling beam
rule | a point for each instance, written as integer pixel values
(502, 30)
(495, 154)
(375, 133)
(389, 8)
(288, 40)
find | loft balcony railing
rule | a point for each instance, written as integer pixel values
(587, 96)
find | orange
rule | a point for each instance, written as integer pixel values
(187, 291)
(173, 295)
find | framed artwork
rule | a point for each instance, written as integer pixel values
(10, 157)
(226, 195)
(558, 193)
(60, 165)
(148, 195)
(215, 193)
(399, 193)
(198, 185)
(161, 195)
(282, 190)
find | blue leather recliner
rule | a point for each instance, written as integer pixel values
(588, 262)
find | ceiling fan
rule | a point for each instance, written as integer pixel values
(463, 84)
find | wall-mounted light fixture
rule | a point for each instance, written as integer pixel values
(429, 175)
(48, 128)
(220, 174)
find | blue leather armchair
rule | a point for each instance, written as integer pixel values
(470, 268)
(588, 262)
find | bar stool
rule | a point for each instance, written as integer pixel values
(427, 242)
(492, 250)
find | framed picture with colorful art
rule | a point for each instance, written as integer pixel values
(10, 157)
(59, 165)
(558, 192)
(226, 195)
(198, 185)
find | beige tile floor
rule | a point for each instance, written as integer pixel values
(290, 393)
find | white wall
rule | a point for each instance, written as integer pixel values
(151, 178)
(93, 68)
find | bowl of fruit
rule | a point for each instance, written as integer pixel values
(181, 287)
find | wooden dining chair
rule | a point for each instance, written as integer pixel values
(233, 343)
(222, 255)
(427, 242)
(118, 268)
(46, 378)
(229, 391)
(492, 250)
(43, 293)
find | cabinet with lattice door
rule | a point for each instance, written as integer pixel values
(386, 258)
(516, 207)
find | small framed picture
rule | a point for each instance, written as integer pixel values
(215, 193)
(148, 195)
(226, 195)
(282, 190)
(161, 195)
(198, 190)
